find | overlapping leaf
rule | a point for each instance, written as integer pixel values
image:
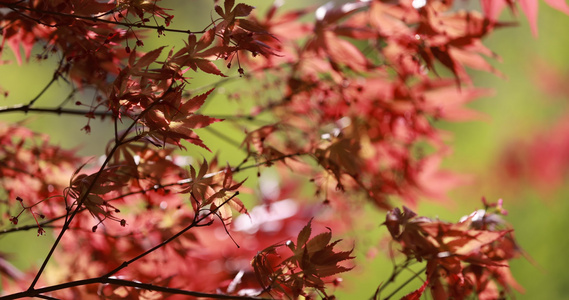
(313, 260)
(461, 250)
(176, 119)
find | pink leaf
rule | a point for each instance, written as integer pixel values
(148, 58)
(530, 8)
(416, 295)
(195, 103)
(208, 67)
(492, 8)
(560, 5)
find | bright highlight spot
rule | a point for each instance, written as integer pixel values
(419, 3)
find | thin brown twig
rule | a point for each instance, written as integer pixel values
(156, 187)
(396, 271)
(189, 180)
(415, 275)
(58, 110)
(95, 19)
(121, 282)
(85, 195)
(195, 223)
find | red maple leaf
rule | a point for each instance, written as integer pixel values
(492, 9)
(176, 119)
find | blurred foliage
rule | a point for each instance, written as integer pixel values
(518, 110)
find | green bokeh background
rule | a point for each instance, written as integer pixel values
(517, 111)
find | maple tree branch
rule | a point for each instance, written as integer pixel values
(270, 161)
(85, 195)
(31, 226)
(159, 186)
(236, 169)
(95, 19)
(396, 270)
(224, 137)
(239, 117)
(217, 214)
(189, 180)
(233, 117)
(121, 282)
(70, 96)
(154, 188)
(25, 108)
(212, 85)
(417, 274)
(195, 223)
(45, 88)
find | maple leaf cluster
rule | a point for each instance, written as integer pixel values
(464, 258)
(351, 99)
(361, 112)
(312, 261)
(33, 172)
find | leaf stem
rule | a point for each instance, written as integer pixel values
(396, 271)
(195, 223)
(405, 283)
(45, 88)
